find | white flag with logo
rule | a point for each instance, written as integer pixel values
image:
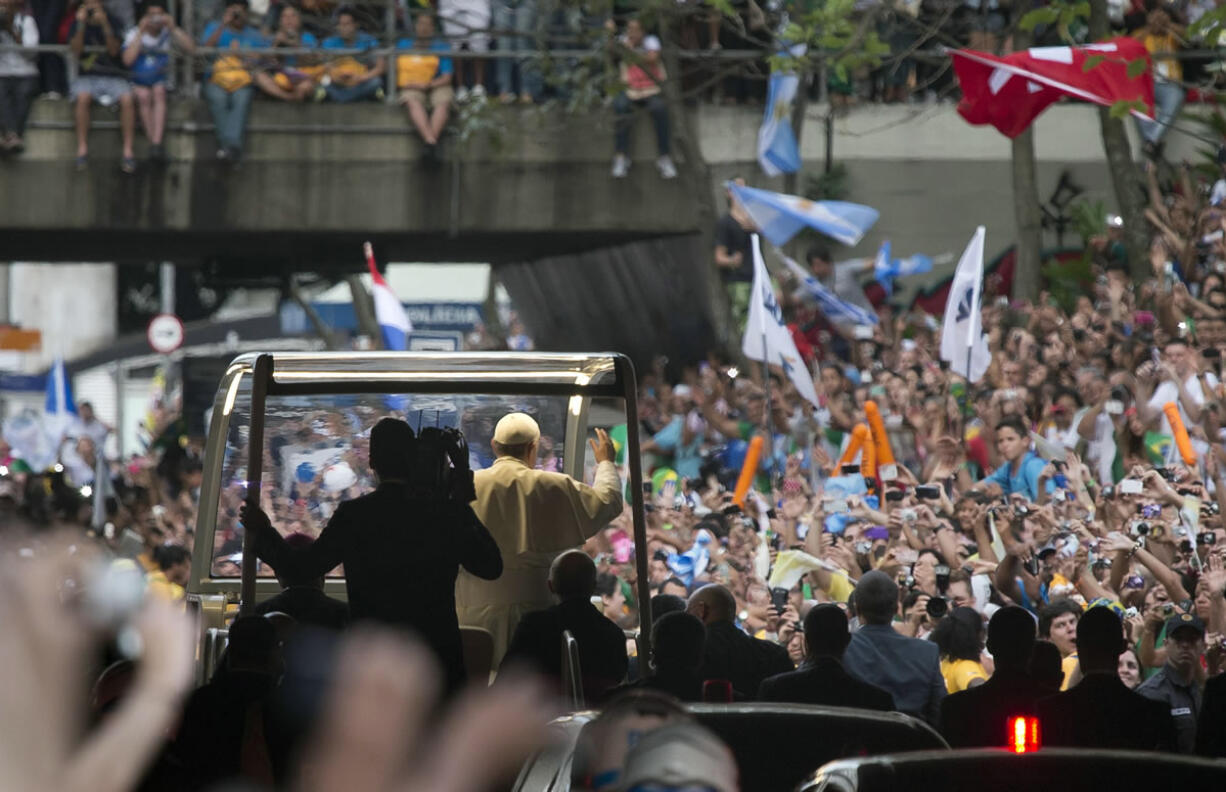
(962, 336)
(767, 337)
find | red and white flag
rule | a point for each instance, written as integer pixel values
(1010, 92)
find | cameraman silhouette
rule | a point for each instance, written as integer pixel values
(403, 544)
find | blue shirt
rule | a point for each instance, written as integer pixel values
(364, 41)
(436, 45)
(907, 668)
(1026, 482)
(247, 37)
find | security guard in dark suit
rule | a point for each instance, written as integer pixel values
(978, 717)
(729, 653)
(1100, 712)
(401, 549)
(822, 679)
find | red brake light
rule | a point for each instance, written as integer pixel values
(1023, 734)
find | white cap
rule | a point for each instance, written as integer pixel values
(516, 429)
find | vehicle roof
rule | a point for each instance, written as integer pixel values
(1002, 771)
(459, 371)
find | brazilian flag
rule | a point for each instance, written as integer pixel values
(1157, 447)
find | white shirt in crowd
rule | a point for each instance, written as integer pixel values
(19, 64)
(1169, 392)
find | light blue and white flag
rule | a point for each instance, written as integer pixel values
(779, 217)
(60, 411)
(835, 308)
(767, 338)
(887, 268)
(778, 152)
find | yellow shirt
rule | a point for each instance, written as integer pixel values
(960, 673)
(1167, 68)
(161, 588)
(1068, 664)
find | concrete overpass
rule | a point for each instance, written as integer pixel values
(319, 178)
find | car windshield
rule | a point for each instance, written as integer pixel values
(316, 454)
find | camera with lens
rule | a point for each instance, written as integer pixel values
(1141, 528)
(937, 607)
(864, 548)
(908, 515)
(1206, 538)
(438, 469)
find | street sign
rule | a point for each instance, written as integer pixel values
(165, 333)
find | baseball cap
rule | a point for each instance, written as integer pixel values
(1184, 621)
(680, 755)
(516, 429)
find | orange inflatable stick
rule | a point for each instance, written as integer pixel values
(859, 436)
(1182, 442)
(749, 469)
(868, 456)
(885, 455)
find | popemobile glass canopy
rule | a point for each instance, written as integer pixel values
(318, 409)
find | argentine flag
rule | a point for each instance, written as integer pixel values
(835, 308)
(779, 217)
(778, 152)
(389, 313)
(887, 268)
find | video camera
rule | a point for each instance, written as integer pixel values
(439, 468)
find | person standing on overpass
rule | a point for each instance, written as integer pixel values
(534, 516)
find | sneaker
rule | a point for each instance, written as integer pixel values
(157, 152)
(380, 94)
(666, 167)
(320, 94)
(478, 91)
(621, 166)
(506, 98)
(223, 154)
(461, 94)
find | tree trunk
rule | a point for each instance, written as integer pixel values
(364, 310)
(790, 185)
(696, 175)
(1026, 213)
(1129, 195)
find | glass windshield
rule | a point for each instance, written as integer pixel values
(316, 453)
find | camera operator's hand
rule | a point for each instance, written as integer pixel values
(602, 447)
(1155, 617)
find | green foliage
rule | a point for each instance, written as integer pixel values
(1062, 15)
(830, 186)
(1209, 27)
(1067, 280)
(1089, 219)
(1121, 109)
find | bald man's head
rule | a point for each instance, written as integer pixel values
(712, 604)
(573, 576)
